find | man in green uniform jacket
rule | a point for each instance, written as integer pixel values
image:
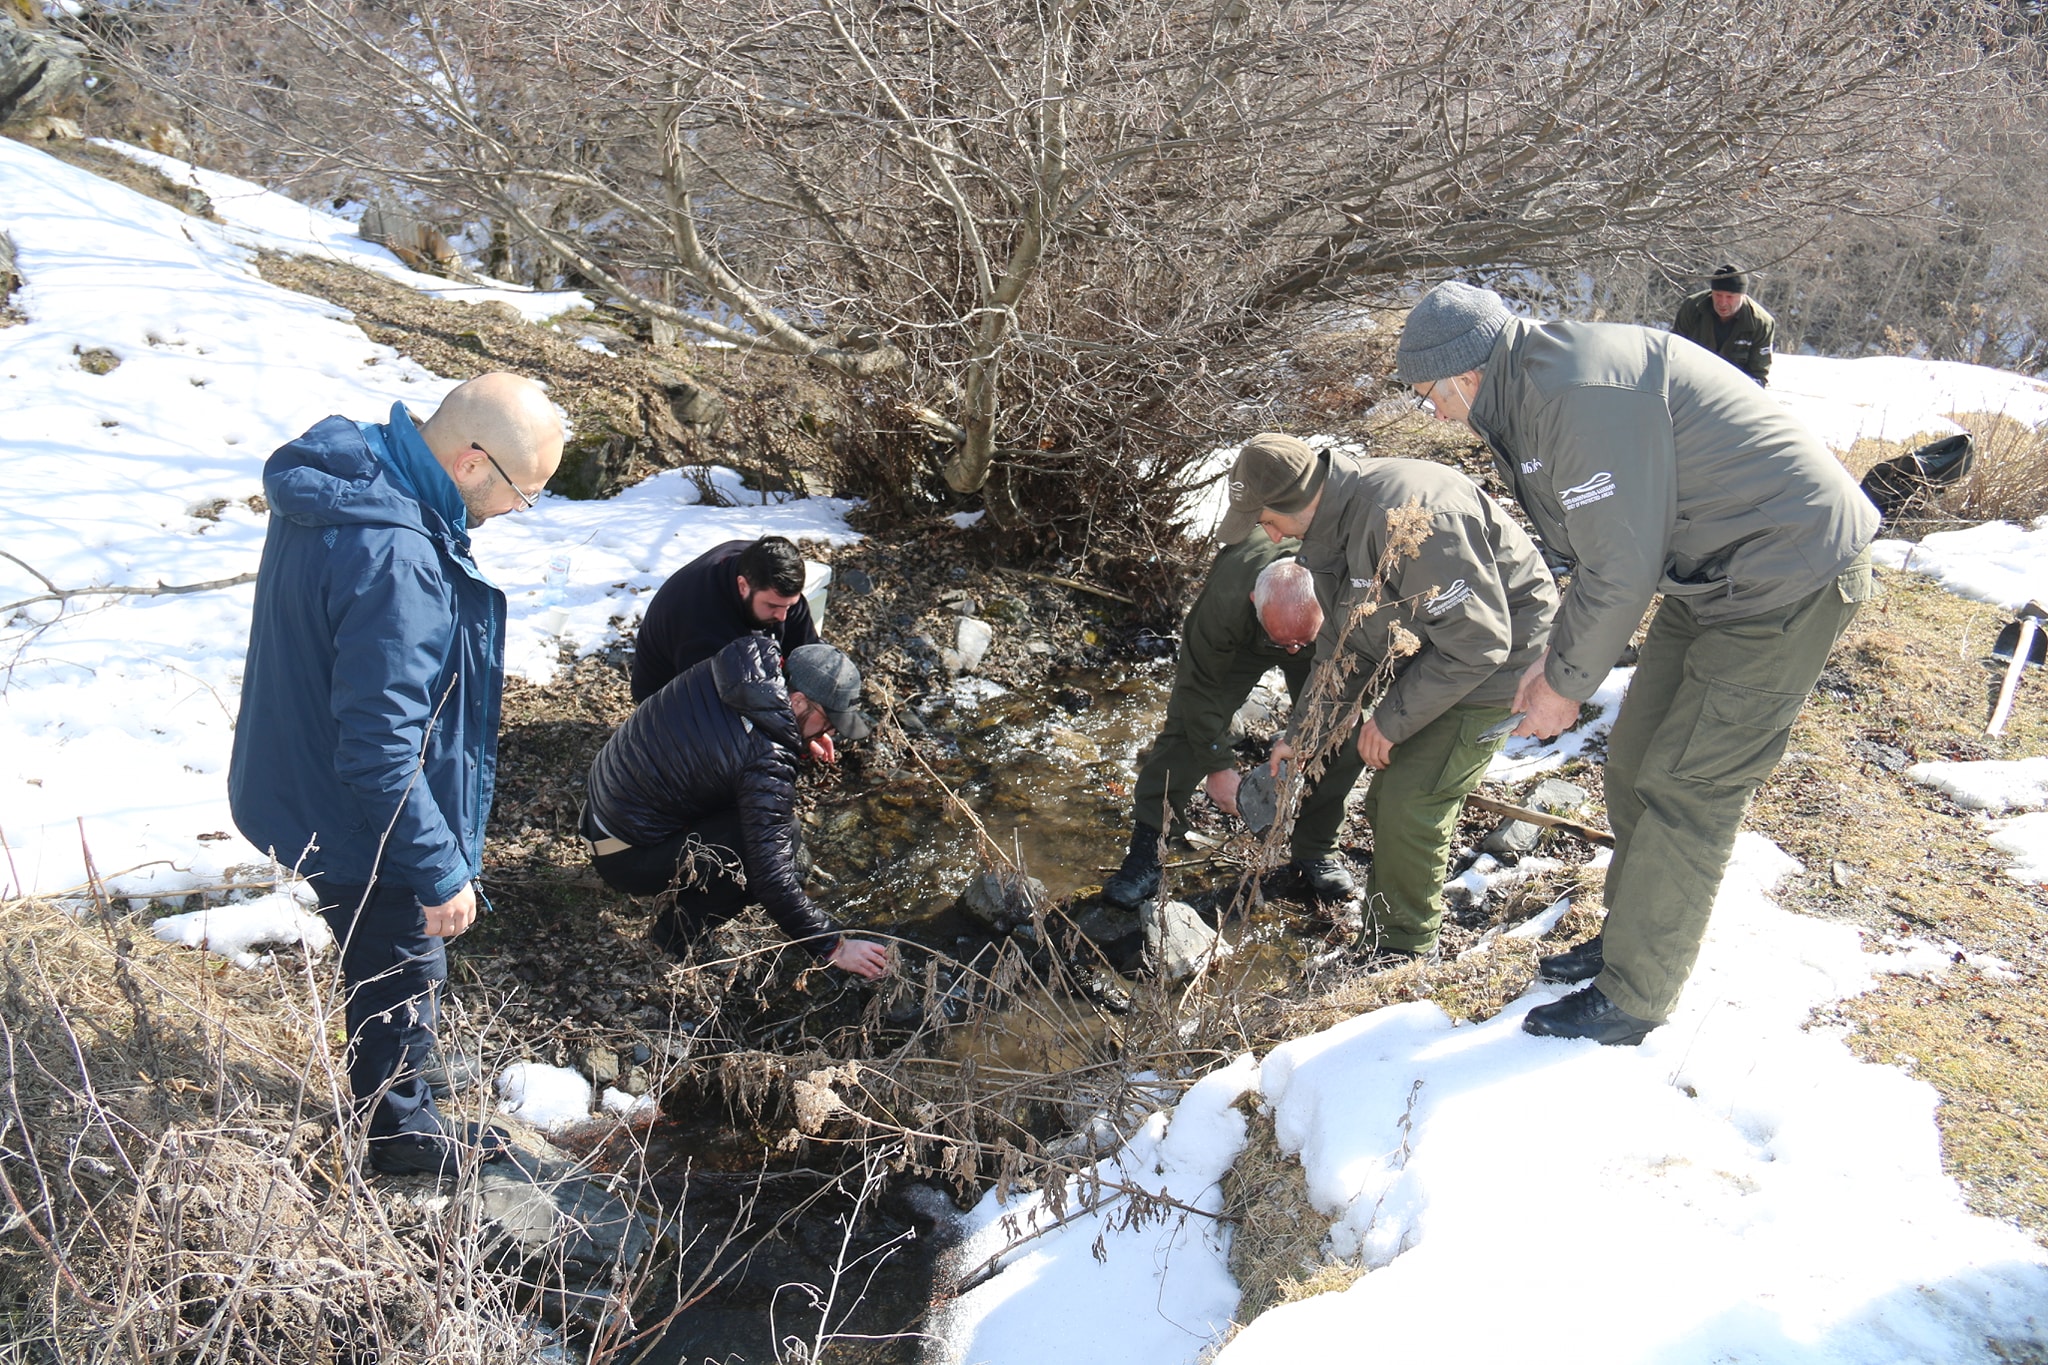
(1425, 578)
(1725, 320)
(1653, 468)
(1227, 643)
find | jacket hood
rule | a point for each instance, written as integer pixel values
(748, 675)
(331, 477)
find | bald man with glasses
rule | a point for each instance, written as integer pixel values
(367, 742)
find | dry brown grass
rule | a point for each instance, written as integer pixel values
(181, 1177)
(2008, 482)
(1910, 682)
(1277, 1252)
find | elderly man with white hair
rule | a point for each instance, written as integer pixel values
(1438, 601)
(1257, 611)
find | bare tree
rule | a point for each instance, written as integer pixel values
(1056, 227)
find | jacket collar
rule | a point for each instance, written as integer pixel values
(414, 467)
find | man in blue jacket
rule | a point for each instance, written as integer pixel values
(367, 744)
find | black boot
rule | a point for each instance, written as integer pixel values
(1327, 878)
(1588, 1014)
(1138, 879)
(1573, 965)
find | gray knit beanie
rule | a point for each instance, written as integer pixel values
(1449, 332)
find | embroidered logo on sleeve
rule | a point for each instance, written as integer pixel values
(1448, 598)
(1600, 486)
(1531, 466)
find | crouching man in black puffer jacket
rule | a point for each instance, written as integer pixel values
(697, 791)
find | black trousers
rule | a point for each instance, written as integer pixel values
(700, 864)
(392, 971)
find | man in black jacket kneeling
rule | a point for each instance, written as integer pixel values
(697, 791)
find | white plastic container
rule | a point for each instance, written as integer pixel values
(817, 591)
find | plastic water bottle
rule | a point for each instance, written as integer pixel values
(555, 581)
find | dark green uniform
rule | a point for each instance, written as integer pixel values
(1652, 468)
(1477, 599)
(1744, 341)
(1223, 654)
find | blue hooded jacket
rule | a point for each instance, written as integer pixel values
(371, 693)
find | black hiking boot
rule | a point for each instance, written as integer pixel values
(1327, 878)
(1137, 880)
(1588, 1013)
(1574, 965)
(452, 1070)
(441, 1154)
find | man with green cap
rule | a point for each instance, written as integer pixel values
(1433, 595)
(1257, 611)
(1652, 467)
(1725, 320)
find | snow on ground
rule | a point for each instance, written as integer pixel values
(116, 712)
(1739, 1188)
(280, 919)
(264, 219)
(1997, 562)
(1894, 398)
(1994, 786)
(548, 1097)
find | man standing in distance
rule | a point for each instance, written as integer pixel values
(367, 743)
(1651, 467)
(1732, 325)
(730, 590)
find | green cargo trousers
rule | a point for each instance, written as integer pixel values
(1412, 807)
(1705, 721)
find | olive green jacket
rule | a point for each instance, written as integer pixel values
(1750, 333)
(1476, 595)
(1652, 467)
(1222, 627)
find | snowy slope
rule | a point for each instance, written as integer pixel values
(1738, 1189)
(116, 712)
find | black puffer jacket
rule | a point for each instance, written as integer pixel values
(718, 737)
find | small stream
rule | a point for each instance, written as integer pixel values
(1048, 772)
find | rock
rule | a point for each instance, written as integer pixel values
(98, 360)
(1074, 744)
(1117, 933)
(1177, 943)
(165, 139)
(636, 1082)
(1555, 796)
(1841, 873)
(601, 1064)
(1008, 610)
(966, 606)
(1263, 712)
(39, 71)
(1002, 900)
(1073, 699)
(603, 333)
(413, 240)
(855, 581)
(695, 405)
(576, 1230)
(594, 463)
(46, 128)
(1038, 649)
(10, 277)
(642, 1054)
(1512, 836)
(499, 311)
(972, 639)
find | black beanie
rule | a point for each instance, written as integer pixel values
(1729, 279)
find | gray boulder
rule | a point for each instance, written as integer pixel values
(573, 1231)
(38, 72)
(1002, 901)
(971, 639)
(1555, 796)
(1177, 943)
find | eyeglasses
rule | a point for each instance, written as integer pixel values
(531, 503)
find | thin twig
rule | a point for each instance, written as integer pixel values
(1073, 583)
(57, 594)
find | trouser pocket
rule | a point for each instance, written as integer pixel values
(1739, 736)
